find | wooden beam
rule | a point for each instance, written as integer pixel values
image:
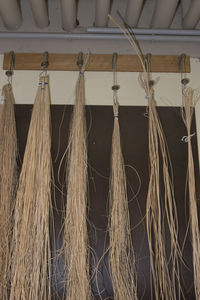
(98, 62)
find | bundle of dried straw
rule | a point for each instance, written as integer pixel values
(190, 98)
(8, 181)
(121, 253)
(31, 241)
(166, 283)
(75, 228)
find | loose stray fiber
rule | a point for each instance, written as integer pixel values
(160, 203)
(121, 253)
(75, 243)
(31, 242)
(8, 182)
(190, 98)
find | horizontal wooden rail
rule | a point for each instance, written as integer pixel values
(98, 62)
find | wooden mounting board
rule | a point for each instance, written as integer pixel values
(98, 62)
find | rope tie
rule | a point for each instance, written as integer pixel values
(44, 80)
(149, 96)
(186, 138)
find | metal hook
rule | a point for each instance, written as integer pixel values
(114, 61)
(45, 62)
(147, 62)
(9, 73)
(80, 60)
(182, 68)
(181, 62)
(115, 87)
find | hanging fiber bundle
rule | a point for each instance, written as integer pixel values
(75, 227)
(8, 181)
(31, 250)
(121, 253)
(190, 98)
(160, 203)
(164, 281)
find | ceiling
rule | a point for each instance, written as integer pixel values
(71, 41)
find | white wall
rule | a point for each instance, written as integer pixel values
(98, 88)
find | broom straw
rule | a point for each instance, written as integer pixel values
(164, 281)
(121, 253)
(190, 98)
(8, 181)
(75, 227)
(31, 244)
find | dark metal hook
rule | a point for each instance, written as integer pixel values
(114, 61)
(182, 68)
(181, 62)
(115, 87)
(80, 60)
(9, 73)
(45, 62)
(147, 62)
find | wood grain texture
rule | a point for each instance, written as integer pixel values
(98, 62)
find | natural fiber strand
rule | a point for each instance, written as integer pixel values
(190, 98)
(121, 253)
(8, 181)
(75, 227)
(166, 283)
(31, 249)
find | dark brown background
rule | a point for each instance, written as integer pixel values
(134, 136)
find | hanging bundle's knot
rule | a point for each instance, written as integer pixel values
(116, 109)
(149, 96)
(151, 83)
(185, 81)
(44, 80)
(116, 87)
